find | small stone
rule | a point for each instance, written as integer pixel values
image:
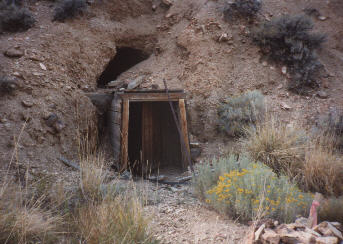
(327, 240)
(135, 83)
(223, 37)
(14, 53)
(322, 18)
(270, 236)
(3, 120)
(284, 70)
(37, 74)
(153, 7)
(115, 83)
(27, 103)
(322, 94)
(59, 126)
(167, 2)
(51, 119)
(285, 106)
(42, 66)
(264, 63)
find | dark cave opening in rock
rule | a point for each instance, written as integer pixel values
(125, 58)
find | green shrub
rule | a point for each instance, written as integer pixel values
(238, 113)
(208, 173)
(244, 8)
(14, 18)
(68, 9)
(249, 189)
(288, 40)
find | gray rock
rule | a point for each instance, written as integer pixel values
(51, 119)
(167, 2)
(7, 85)
(135, 83)
(115, 83)
(27, 103)
(322, 94)
(14, 52)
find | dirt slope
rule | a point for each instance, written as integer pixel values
(61, 61)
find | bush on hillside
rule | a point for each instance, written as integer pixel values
(287, 40)
(69, 9)
(243, 8)
(14, 18)
(238, 113)
(247, 190)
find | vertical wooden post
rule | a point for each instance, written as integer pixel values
(184, 130)
(124, 135)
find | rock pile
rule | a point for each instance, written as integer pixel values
(299, 232)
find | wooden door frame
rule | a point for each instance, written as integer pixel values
(153, 97)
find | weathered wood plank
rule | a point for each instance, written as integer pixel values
(184, 130)
(115, 128)
(152, 97)
(124, 134)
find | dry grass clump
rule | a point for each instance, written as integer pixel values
(239, 112)
(280, 147)
(107, 214)
(311, 162)
(331, 125)
(323, 170)
(118, 220)
(24, 219)
(92, 176)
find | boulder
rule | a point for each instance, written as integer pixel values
(14, 52)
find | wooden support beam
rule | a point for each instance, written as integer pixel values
(152, 97)
(125, 134)
(184, 130)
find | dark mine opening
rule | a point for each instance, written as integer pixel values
(154, 142)
(125, 58)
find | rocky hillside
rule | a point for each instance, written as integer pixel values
(188, 43)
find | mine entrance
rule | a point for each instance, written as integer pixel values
(153, 140)
(125, 58)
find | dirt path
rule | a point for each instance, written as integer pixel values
(178, 217)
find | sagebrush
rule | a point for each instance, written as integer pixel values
(238, 113)
(14, 18)
(248, 188)
(68, 9)
(288, 40)
(242, 8)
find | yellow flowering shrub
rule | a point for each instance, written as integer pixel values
(251, 188)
